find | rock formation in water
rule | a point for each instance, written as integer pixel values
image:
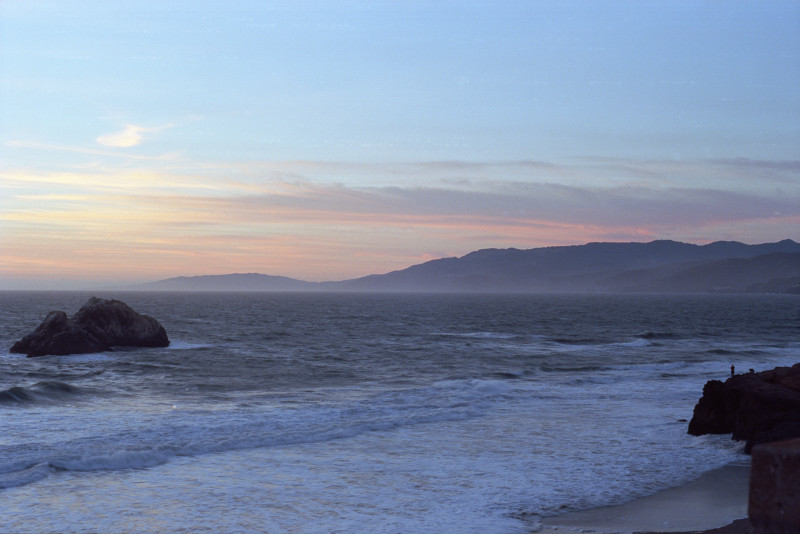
(754, 407)
(98, 326)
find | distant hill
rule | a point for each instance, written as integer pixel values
(596, 267)
(657, 266)
(778, 272)
(228, 282)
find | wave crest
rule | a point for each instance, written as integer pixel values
(46, 390)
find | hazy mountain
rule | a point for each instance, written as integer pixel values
(591, 267)
(229, 282)
(658, 266)
(778, 272)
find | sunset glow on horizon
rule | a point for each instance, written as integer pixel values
(332, 140)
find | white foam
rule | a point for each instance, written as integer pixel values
(477, 335)
(463, 475)
(151, 438)
(451, 456)
(177, 344)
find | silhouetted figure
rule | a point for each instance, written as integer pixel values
(732, 371)
(752, 371)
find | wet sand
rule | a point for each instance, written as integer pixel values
(714, 500)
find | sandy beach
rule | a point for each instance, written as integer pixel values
(714, 500)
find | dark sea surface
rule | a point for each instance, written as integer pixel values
(370, 413)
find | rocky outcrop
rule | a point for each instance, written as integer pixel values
(98, 326)
(754, 407)
(58, 334)
(117, 324)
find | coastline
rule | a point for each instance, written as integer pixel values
(714, 500)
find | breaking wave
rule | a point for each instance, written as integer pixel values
(179, 433)
(44, 391)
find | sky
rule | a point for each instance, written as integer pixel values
(328, 140)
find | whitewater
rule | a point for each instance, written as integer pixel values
(370, 413)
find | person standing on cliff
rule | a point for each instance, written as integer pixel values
(732, 368)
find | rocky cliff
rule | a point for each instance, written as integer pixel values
(754, 407)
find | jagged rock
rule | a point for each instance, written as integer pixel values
(118, 324)
(754, 407)
(98, 326)
(58, 335)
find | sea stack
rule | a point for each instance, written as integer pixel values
(755, 407)
(98, 326)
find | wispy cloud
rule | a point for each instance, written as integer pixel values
(129, 136)
(51, 147)
(297, 219)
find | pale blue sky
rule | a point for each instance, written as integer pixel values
(641, 106)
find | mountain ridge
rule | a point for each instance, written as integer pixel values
(229, 282)
(655, 266)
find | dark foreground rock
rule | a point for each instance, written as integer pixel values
(98, 326)
(774, 504)
(754, 407)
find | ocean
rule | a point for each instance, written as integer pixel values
(375, 413)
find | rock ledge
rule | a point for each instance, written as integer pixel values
(754, 407)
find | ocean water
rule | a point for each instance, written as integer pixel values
(370, 413)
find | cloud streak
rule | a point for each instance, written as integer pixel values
(131, 135)
(291, 218)
(48, 147)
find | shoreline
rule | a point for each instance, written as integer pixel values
(714, 500)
